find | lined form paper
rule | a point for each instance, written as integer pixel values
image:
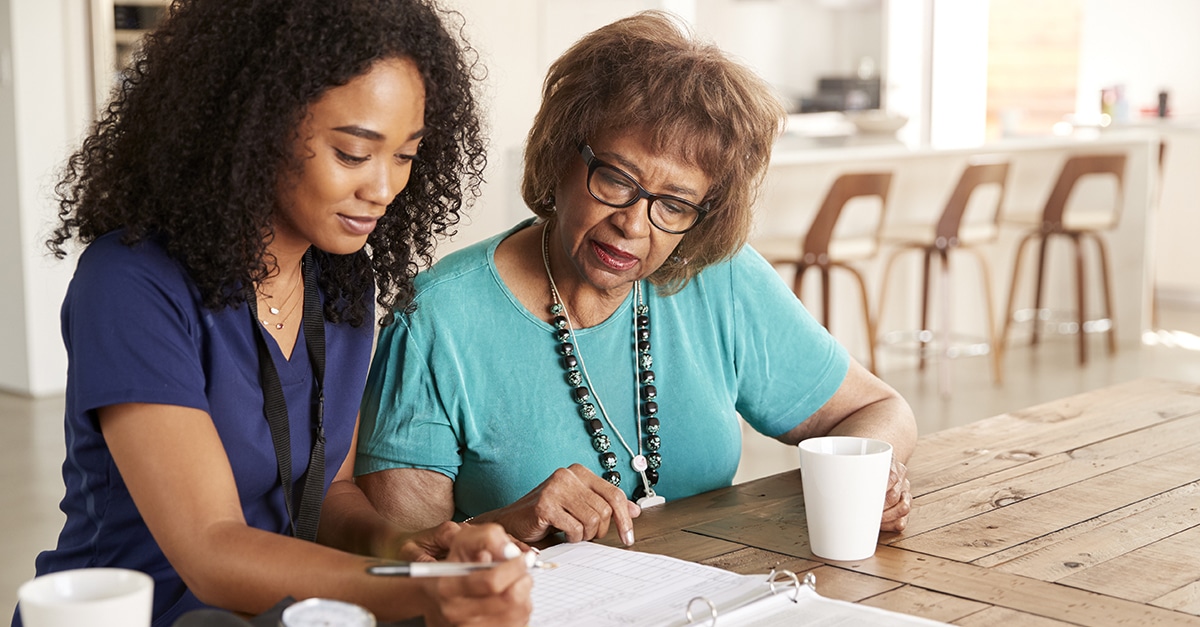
(598, 586)
(593, 585)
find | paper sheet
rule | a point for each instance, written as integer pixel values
(599, 586)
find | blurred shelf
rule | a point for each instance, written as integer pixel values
(118, 27)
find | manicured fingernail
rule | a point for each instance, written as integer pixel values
(629, 537)
(511, 551)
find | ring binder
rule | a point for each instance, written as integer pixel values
(628, 588)
(790, 581)
(809, 579)
(712, 609)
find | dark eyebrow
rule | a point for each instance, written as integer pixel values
(633, 169)
(368, 134)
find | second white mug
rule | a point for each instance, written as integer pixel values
(96, 597)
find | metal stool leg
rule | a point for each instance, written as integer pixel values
(1012, 294)
(947, 326)
(1108, 304)
(1037, 294)
(997, 371)
(924, 329)
(1081, 297)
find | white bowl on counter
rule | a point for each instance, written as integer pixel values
(876, 121)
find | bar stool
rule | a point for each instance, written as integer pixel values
(822, 250)
(952, 232)
(1075, 227)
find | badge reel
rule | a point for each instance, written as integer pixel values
(318, 612)
(651, 499)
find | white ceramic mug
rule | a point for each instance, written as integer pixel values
(845, 481)
(96, 597)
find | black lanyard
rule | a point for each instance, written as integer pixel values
(304, 522)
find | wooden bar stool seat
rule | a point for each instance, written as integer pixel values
(822, 249)
(1076, 227)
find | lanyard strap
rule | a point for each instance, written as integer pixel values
(304, 523)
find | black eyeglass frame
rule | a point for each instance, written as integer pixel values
(593, 163)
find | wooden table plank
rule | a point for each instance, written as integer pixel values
(925, 603)
(1144, 523)
(1185, 599)
(1052, 511)
(752, 561)
(1015, 592)
(956, 455)
(1003, 617)
(683, 545)
(1044, 474)
(779, 530)
(968, 581)
(1147, 573)
(745, 497)
(831, 582)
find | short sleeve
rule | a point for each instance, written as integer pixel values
(403, 421)
(787, 365)
(130, 322)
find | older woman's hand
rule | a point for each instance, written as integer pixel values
(573, 500)
(429, 545)
(898, 501)
(497, 596)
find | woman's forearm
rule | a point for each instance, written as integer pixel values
(247, 570)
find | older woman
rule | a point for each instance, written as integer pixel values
(606, 348)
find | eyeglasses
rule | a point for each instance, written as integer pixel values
(615, 188)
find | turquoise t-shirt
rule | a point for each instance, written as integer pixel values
(471, 384)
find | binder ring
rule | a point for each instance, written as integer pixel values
(790, 580)
(712, 610)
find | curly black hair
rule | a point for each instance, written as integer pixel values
(199, 132)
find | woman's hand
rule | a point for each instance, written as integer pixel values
(429, 544)
(897, 503)
(496, 596)
(573, 500)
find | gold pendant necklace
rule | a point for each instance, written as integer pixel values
(275, 310)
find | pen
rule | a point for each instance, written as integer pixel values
(444, 569)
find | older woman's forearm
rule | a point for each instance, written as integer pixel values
(890, 420)
(865, 406)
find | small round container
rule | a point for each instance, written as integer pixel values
(326, 613)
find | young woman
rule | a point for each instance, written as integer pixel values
(265, 165)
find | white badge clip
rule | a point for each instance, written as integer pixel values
(651, 499)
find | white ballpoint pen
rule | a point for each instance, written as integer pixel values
(444, 569)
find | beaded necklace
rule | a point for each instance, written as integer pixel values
(646, 466)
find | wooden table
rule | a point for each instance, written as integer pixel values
(1083, 511)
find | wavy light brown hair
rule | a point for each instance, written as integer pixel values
(648, 73)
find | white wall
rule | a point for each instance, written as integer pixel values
(1147, 45)
(13, 368)
(43, 103)
(517, 41)
(959, 73)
